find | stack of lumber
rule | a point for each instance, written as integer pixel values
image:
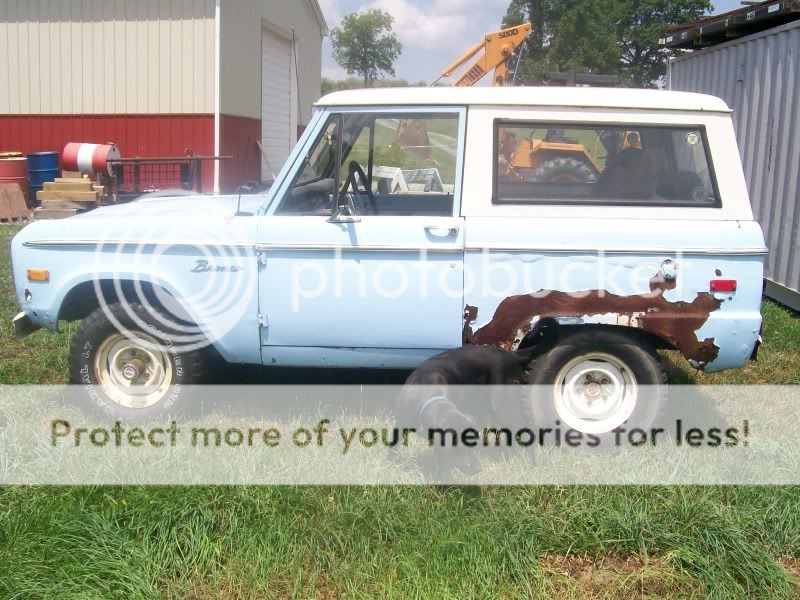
(67, 196)
(13, 208)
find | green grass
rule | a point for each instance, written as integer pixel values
(397, 542)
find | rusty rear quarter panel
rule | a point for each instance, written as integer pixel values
(609, 272)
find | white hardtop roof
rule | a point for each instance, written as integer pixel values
(528, 96)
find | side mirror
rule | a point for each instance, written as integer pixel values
(344, 214)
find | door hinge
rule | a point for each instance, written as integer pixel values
(262, 257)
(263, 320)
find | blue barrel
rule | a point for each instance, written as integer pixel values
(42, 167)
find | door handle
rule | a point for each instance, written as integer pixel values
(441, 230)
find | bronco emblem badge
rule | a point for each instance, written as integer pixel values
(202, 266)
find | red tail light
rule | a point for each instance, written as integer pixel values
(723, 285)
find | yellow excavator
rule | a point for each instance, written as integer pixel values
(570, 161)
(497, 48)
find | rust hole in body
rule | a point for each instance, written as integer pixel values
(672, 321)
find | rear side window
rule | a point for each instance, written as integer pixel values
(557, 163)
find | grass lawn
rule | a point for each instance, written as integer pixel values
(410, 542)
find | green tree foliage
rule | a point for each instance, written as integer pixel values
(608, 37)
(364, 44)
(584, 40)
(534, 62)
(639, 24)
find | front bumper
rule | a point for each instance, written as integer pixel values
(23, 326)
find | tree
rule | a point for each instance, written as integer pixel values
(584, 40)
(365, 44)
(640, 23)
(533, 62)
(578, 35)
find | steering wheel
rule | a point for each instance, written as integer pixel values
(354, 168)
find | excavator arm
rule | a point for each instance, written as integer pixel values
(496, 49)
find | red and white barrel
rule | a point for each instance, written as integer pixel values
(89, 159)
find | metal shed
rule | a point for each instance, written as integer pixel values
(759, 77)
(161, 76)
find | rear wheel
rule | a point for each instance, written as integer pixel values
(130, 367)
(598, 380)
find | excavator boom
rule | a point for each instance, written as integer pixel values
(497, 48)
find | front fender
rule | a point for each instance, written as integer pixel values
(221, 298)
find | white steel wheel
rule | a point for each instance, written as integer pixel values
(133, 369)
(595, 393)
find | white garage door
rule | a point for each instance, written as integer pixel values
(277, 136)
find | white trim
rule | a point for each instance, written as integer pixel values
(529, 97)
(217, 91)
(578, 250)
(315, 8)
(138, 243)
(294, 100)
(263, 246)
(266, 246)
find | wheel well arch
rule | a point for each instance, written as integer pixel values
(86, 297)
(551, 330)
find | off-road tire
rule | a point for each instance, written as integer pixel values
(567, 169)
(187, 366)
(635, 351)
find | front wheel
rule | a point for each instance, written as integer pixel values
(130, 367)
(596, 381)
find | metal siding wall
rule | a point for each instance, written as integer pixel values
(759, 77)
(106, 56)
(136, 135)
(242, 23)
(238, 139)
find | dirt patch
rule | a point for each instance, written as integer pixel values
(617, 577)
(791, 565)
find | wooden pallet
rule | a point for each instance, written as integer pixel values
(13, 208)
(53, 213)
(13, 220)
(68, 196)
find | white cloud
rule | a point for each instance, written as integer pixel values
(331, 11)
(419, 29)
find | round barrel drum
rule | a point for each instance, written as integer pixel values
(42, 167)
(89, 159)
(14, 169)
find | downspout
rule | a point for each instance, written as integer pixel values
(217, 50)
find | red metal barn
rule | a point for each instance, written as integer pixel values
(159, 76)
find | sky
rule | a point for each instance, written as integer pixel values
(433, 32)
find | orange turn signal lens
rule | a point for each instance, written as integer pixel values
(38, 275)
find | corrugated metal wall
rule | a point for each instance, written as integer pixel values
(240, 55)
(98, 56)
(759, 77)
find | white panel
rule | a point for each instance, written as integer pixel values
(242, 22)
(276, 101)
(106, 56)
(4, 67)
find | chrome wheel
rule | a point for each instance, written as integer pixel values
(595, 393)
(134, 370)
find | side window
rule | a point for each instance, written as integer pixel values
(311, 192)
(384, 164)
(539, 163)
